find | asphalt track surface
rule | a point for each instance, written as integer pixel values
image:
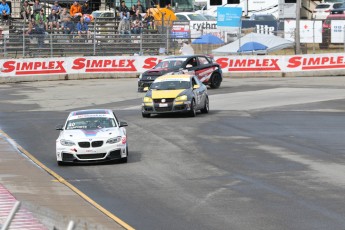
(269, 155)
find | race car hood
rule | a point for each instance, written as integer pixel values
(157, 94)
(79, 134)
(156, 72)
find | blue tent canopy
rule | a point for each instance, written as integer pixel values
(208, 39)
(252, 46)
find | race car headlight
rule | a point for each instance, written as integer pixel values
(148, 100)
(182, 98)
(66, 142)
(114, 140)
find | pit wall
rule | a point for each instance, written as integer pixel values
(64, 68)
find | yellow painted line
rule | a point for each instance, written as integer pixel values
(69, 185)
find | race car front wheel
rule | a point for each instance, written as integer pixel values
(61, 163)
(145, 114)
(192, 112)
(206, 106)
(215, 81)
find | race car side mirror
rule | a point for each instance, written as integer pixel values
(59, 127)
(123, 124)
(189, 66)
(196, 86)
(146, 89)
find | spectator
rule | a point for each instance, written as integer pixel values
(124, 26)
(69, 27)
(132, 11)
(75, 11)
(4, 11)
(57, 8)
(137, 26)
(168, 6)
(85, 9)
(42, 16)
(53, 20)
(25, 10)
(83, 28)
(140, 7)
(63, 17)
(37, 29)
(124, 11)
(136, 16)
(36, 8)
(149, 20)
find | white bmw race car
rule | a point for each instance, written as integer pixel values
(91, 136)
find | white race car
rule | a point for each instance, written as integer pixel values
(90, 136)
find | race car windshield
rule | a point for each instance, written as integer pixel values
(170, 64)
(170, 85)
(91, 123)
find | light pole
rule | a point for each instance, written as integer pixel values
(297, 32)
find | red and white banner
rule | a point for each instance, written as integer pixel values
(139, 64)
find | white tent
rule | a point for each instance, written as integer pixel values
(272, 42)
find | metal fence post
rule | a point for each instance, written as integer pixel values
(5, 48)
(344, 37)
(24, 38)
(11, 215)
(167, 36)
(51, 44)
(141, 44)
(314, 36)
(94, 37)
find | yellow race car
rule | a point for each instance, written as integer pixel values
(176, 94)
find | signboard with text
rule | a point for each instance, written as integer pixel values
(229, 16)
(337, 31)
(139, 64)
(310, 31)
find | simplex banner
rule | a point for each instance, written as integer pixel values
(139, 64)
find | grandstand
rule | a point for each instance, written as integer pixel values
(104, 40)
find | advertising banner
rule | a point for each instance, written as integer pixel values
(229, 16)
(139, 64)
(180, 29)
(337, 31)
(310, 31)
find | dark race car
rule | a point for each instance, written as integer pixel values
(208, 71)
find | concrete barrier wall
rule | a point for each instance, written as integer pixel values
(70, 68)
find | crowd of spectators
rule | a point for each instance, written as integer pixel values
(74, 20)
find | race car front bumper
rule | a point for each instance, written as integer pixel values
(142, 84)
(75, 154)
(172, 107)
